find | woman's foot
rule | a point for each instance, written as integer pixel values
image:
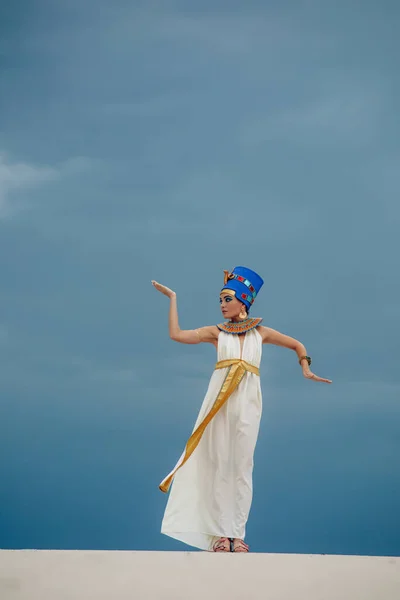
(222, 545)
(239, 546)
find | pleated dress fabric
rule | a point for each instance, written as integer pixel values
(211, 493)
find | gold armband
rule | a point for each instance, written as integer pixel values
(308, 359)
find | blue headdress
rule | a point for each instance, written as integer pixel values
(245, 283)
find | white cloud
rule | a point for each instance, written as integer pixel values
(18, 177)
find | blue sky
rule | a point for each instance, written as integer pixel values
(153, 140)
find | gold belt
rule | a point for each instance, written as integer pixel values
(236, 370)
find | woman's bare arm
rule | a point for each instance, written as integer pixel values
(271, 336)
(185, 336)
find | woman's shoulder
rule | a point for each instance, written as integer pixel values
(208, 333)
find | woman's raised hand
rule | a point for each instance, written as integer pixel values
(163, 289)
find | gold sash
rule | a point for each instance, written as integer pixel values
(236, 371)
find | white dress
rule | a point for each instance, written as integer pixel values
(211, 493)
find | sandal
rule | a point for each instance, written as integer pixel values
(222, 545)
(238, 545)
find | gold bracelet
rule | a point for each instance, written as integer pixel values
(308, 359)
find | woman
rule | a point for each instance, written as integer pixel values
(210, 498)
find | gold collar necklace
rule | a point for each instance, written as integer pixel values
(239, 326)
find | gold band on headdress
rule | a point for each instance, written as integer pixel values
(229, 292)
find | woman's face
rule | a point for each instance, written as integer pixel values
(231, 307)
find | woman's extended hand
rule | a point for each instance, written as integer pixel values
(310, 375)
(163, 289)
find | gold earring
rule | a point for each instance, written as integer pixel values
(243, 314)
